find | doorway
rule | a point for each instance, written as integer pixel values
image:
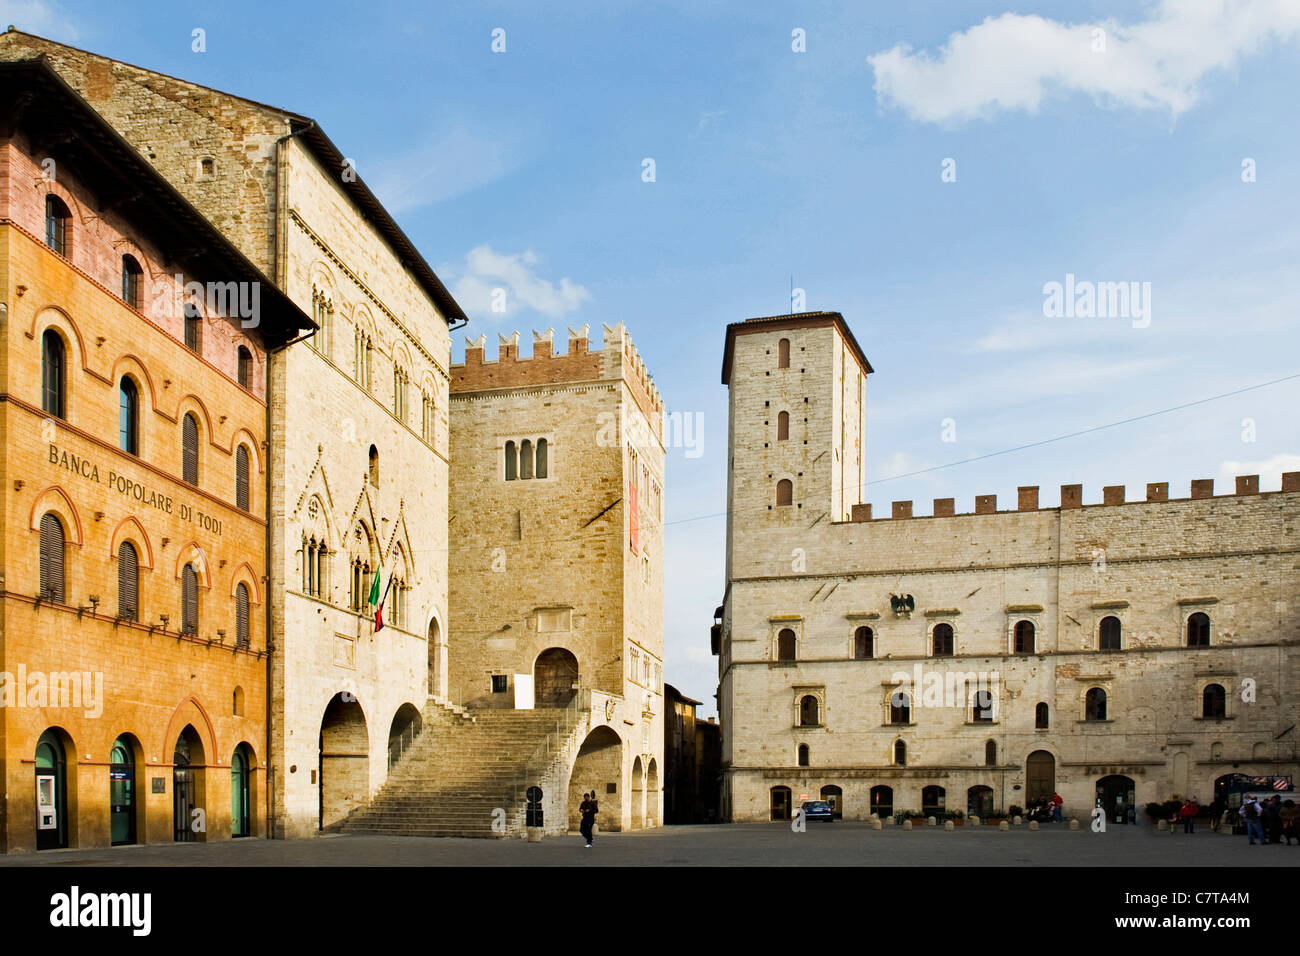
(188, 815)
(1116, 795)
(1040, 777)
(554, 677)
(51, 793)
(780, 803)
(121, 793)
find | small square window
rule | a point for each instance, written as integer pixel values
(500, 683)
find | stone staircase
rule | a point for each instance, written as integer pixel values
(461, 767)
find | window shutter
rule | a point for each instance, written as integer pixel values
(128, 577)
(241, 616)
(189, 600)
(52, 558)
(190, 450)
(241, 478)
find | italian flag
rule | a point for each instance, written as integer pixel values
(374, 586)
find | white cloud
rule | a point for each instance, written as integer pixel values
(39, 17)
(1269, 471)
(440, 170)
(1014, 62)
(488, 274)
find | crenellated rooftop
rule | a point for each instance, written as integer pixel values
(1072, 498)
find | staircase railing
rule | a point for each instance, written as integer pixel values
(399, 744)
(543, 755)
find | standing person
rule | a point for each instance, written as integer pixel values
(1188, 812)
(1057, 804)
(1290, 821)
(589, 809)
(1250, 813)
(1216, 814)
(1273, 819)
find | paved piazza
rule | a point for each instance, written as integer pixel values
(764, 844)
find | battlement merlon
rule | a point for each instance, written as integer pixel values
(1072, 498)
(617, 359)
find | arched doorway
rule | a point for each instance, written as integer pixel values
(435, 659)
(934, 802)
(554, 675)
(241, 803)
(638, 794)
(344, 759)
(121, 793)
(882, 801)
(51, 792)
(402, 731)
(979, 802)
(599, 768)
(652, 794)
(1040, 776)
(835, 797)
(1116, 795)
(188, 762)
(780, 803)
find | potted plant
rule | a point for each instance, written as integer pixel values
(957, 817)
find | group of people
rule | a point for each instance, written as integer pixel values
(1046, 810)
(1273, 821)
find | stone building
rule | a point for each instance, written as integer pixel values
(557, 558)
(134, 342)
(358, 474)
(1115, 653)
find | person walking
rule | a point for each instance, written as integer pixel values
(1216, 815)
(1273, 819)
(1188, 812)
(1250, 813)
(589, 808)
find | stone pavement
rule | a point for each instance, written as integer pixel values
(763, 844)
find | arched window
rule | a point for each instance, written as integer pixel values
(190, 450)
(991, 753)
(900, 753)
(241, 615)
(1108, 634)
(512, 462)
(525, 459)
(541, 458)
(321, 309)
(1214, 701)
(782, 426)
(1198, 630)
(900, 708)
(982, 706)
(128, 582)
(374, 466)
(53, 374)
(1094, 704)
(803, 755)
(783, 354)
(244, 365)
(57, 225)
(131, 275)
(785, 645)
(808, 711)
(1024, 637)
(51, 558)
(784, 492)
(1040, 716)
(193, 328)
(863, 644)
(313, 566)
(241, 478)
(128, 418)
(237, 702)
(941, 643)
(189, 600)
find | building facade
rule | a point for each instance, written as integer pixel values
(557, 553)
(1117, 653)
(358, 469)
(133, 638)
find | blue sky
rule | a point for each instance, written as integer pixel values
(523, 169)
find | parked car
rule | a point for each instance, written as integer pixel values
(818, 810)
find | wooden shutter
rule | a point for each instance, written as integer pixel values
(52, 558)
(52, 374)
(241, 616)
(190, 450)
(241, 478)
(128, 578)
(189, 600)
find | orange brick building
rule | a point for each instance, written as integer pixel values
(133, 348)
